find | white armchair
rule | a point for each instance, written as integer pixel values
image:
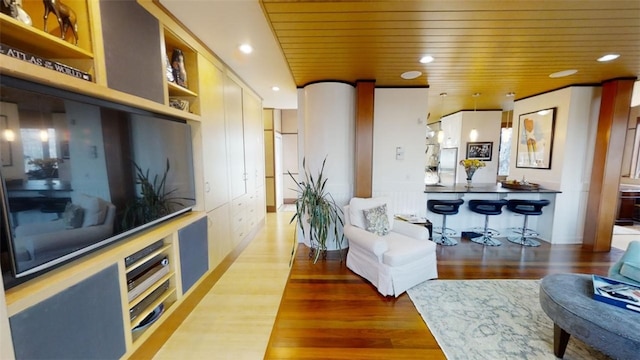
(393, 262)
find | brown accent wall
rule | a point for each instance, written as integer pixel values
(363, 176)
(607, 164)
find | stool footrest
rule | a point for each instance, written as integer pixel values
(490, 231)
(524, 232)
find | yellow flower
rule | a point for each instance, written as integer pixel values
(472, 163)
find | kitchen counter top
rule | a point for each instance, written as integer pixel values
(483, 189)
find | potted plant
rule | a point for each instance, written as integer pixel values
(317, 213)
(154, 201)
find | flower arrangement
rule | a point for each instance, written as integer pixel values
(471, 165)
(47, 166)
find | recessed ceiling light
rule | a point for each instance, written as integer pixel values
(426, 59)
(275, 88)
(608, 57)
(410, 75)
(476, 94)
(511, 94)
(246, 48)
(563, 73)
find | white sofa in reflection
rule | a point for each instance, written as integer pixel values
(37, 243)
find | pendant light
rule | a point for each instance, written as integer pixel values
(473, 134)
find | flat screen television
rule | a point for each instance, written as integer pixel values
(78, 173)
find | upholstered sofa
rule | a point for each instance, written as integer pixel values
(393, 260)
(37, 243)
(627, 269)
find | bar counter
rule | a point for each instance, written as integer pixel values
(482, 189)
(465, 219)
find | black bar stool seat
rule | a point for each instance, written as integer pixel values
(526, 207)
(487, 208)
(444, 208)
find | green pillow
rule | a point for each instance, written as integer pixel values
(376, 220)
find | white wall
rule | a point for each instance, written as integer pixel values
(16, 156)
(289, 151)
(400, 121)
(86, 149)
(577, 110)
(487, 124)
(326, 127)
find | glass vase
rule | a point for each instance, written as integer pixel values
(468, 186)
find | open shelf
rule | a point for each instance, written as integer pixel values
(175, 91)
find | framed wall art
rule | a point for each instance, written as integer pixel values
(480, 150)
(535, 139)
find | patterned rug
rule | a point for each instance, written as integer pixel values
(491, 319)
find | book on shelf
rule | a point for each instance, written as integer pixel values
(617, 293)
(45, 63)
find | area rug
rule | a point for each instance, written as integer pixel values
(491, 319)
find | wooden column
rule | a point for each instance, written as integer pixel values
(363, 176)
(607, 164)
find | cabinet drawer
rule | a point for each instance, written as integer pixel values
(239, 204)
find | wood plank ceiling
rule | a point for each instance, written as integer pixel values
(491, 47)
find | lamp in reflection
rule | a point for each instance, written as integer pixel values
(9, 135)
(44, 135)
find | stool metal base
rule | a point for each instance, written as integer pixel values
(486, 240)
(444, 238)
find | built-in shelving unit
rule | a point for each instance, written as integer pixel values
(49, 45)
(161, 290)
(175, 91)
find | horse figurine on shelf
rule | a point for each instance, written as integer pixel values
(65, 15)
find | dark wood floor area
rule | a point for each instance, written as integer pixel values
(328, 312)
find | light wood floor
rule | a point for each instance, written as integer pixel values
(234, 319)
(252, 312)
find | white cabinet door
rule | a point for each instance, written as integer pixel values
(253, 141)
(214, 141)
(235, 137)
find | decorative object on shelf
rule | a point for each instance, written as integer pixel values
(317, 213)
(36, 60)
(480, 150)
(179, 104)
(179, 71)
(535, 139)
(167, 64)
(519, 185)
(470, 167)
(66, 18)
(14, 9)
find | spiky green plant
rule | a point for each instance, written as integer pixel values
(154, 201)
(317, 211)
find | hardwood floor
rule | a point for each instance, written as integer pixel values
(254, 306)
(327, 312)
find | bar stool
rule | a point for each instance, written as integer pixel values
(526, 208)
(444, 208)
(487, 207)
